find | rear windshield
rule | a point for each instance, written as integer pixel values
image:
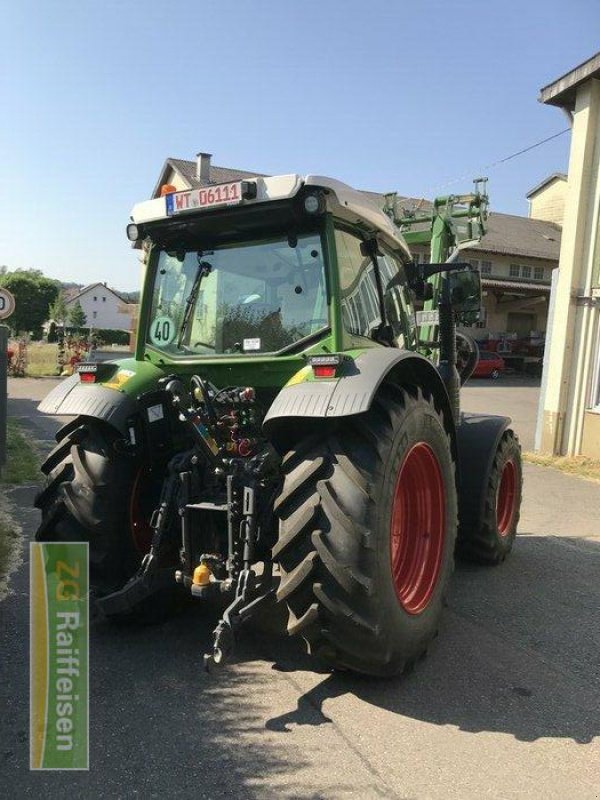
(251, 297)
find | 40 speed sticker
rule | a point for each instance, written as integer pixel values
(162, 331)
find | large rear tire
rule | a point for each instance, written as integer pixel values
(367, 530)
(95, 494)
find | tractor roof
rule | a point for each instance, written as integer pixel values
(347, 203)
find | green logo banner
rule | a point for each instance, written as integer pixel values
(59, 647)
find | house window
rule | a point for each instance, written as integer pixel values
(95, 298)
(104, 299)
(526, 271)
(538, 273)
(473, 262)
(486, 267)
(514, 271)
(94, 314)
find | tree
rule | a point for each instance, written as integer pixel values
(52, 334)
(33, 293)
(77, 317)
(57, 310)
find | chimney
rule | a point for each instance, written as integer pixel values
(203, 167)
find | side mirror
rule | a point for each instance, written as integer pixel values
(464, 286)
(465, 294)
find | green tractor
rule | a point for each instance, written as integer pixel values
(289, 431)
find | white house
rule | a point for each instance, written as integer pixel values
(103, 307)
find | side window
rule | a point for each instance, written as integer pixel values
(360, 301)
(399, 310)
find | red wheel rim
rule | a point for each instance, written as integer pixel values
(139, 515)
(417, 528)
(506, 498)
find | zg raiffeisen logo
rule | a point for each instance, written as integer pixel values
(59, 646)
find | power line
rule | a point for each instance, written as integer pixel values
(493, 164)
(527, 149)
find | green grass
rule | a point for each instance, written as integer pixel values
(41, 360)
(22, 460)
(582, 466)
(22, 466)
(11, 543)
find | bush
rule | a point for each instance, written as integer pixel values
(102, 336)
(106, 336)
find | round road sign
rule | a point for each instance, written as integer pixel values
(7, 303)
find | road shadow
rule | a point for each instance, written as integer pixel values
(518, 652)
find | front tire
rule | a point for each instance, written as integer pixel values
(488, 527)
(367, 533)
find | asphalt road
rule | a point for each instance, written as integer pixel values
(505, 706)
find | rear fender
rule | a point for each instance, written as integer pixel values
(310, 406)
(71, 397)
(114, 401)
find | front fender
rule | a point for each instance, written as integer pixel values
(478, 438)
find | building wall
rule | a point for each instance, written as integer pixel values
(103, 309)
(549, 202)
(590, 441)
(572, 373)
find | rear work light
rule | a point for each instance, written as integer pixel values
(325, 366)
(314, 203)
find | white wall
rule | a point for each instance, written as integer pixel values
(103, 309)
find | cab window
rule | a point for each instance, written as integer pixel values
(361, 314)
(399, 311)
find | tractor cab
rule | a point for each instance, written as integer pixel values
(250, 269)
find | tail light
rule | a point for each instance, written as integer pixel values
(325, 366)
(87, 372)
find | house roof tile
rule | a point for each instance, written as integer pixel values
(87, 288)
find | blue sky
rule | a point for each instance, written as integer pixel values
(383, 95)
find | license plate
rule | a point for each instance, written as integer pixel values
(225, 194)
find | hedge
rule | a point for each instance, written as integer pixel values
(101, 335)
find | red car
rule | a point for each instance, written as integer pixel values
(490, 365)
